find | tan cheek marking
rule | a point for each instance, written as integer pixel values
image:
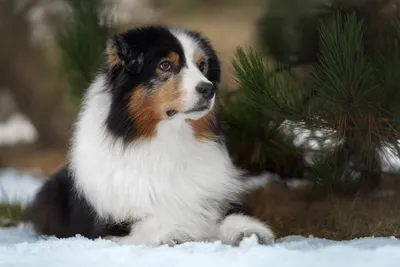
(168, 96)
(148, 111)
(112, 57)
(202, 127)
(144, 113)
(197, 57)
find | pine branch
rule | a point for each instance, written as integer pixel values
(351, 91)
(264, 88)
(81, 39)
(254, 134)
(343, 78)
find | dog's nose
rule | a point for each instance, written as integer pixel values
(206, 90)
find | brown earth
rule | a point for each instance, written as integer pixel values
(42, 162)
(304, 212)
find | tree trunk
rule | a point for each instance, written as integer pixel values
(33, 89)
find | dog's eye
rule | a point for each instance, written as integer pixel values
(165, 66)
(201, 66)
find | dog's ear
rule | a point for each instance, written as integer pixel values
(119, 53)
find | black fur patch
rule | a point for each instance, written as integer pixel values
(58, 210)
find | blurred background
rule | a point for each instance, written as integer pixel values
(312, 93)
(36, 109)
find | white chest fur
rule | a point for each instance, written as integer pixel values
(173, 175)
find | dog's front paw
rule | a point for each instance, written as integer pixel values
(175, 238)
(263, 238)
(236, 227)
(153, 240)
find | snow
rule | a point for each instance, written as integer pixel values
(17, 187)
(20, 247)
(391, 162)
(304, 137)
(17, 129)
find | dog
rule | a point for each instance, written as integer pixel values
(148, 164)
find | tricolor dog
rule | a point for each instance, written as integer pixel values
(147, 162)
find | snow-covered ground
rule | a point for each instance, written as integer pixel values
(19, 247)
(17, 187)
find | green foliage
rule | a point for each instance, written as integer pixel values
(254, 134)
(351, 93)
(354, 90)
(264, 88)
(287, 31)
(81, 39)
(10, 214)
(331, 174)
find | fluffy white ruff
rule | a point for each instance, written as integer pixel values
(174, 179)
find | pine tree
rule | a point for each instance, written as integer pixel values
(253, 133)
(349, 93)
(81, 39)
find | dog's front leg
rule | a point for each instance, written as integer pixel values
(234, 228)
(154, 232)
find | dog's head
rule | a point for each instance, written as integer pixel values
(159, 73)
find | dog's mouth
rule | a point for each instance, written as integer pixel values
(198, 109)
(172, 112)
